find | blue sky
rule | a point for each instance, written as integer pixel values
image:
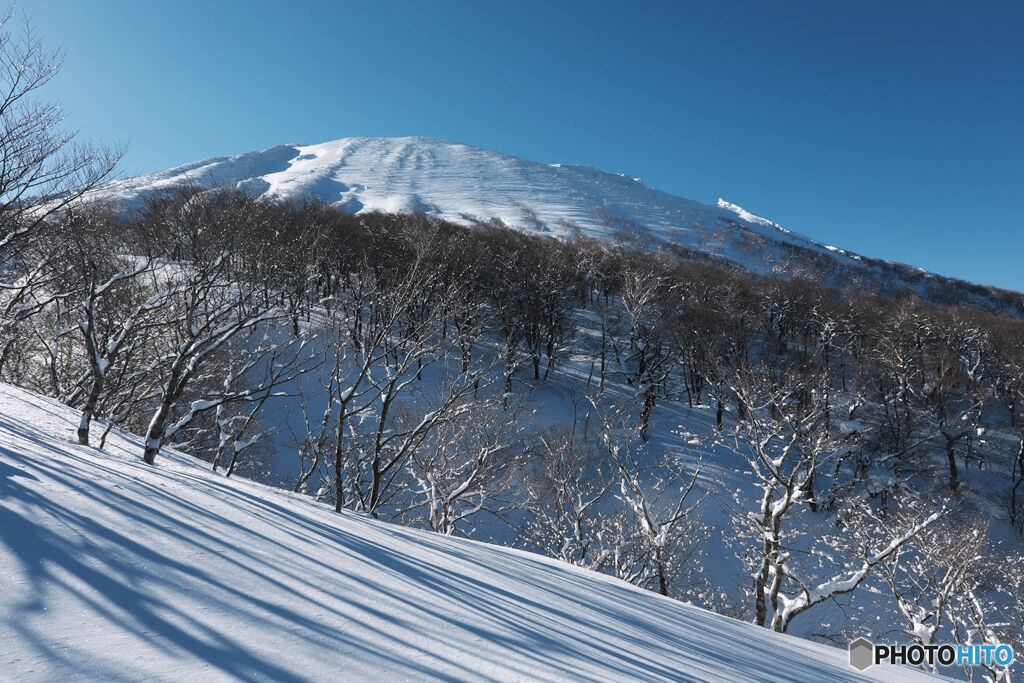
(895, 129)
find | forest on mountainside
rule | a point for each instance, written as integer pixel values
(877, 437)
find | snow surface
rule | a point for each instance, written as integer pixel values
(468, 184)
(111, 569)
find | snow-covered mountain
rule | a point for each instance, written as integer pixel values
(114, 570)
(468, 184)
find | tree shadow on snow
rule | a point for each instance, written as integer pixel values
(320, 578)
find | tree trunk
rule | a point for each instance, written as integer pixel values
(951, 455)
(339, 434)
(510, 352)
(645, 413)
(90, 407)
(155, 433)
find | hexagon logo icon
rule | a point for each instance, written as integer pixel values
(862, 654)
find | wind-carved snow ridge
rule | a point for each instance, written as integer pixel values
(750, 217)
(773, 228)
(115, 570)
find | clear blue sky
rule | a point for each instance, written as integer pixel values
(895, 129)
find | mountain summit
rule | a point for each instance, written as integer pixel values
(466, 184)
(470, 185)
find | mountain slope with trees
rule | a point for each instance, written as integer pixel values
(116, 570)
(469, 186)
(820, 453)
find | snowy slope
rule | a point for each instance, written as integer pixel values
(467, 184)
(113, 570)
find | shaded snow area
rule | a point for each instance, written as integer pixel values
(111, 569)
(467, 185)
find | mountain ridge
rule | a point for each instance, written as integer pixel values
(473, 185)
(421, 173)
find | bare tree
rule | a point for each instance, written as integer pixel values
(950, 582)
(658, 540)
(784, 443)
(237, 384)
(566, 490)
(381, 342)
(110, 301)
(463, 472)
(652, 359)
(208, 299)
(1016, 493)
(44, 170)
